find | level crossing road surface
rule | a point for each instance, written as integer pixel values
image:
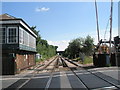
(61, 73)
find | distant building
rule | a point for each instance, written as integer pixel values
(38, 56)
(18, 44)
(60, 52)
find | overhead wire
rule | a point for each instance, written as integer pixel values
(106, 28)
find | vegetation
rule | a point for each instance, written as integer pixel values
(88, 60)
(80, 48)
(43, 48)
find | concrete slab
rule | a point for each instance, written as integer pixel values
(92, 81)
(7, 83)
(18, 83)
(55, 83)
(64, 80)
(75, 82)
(108, 78)
(36, 83)
(8, 80)
(111, 73)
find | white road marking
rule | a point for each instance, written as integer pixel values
(106, 88)
(69, 74)
(105, 71)
(64, 81)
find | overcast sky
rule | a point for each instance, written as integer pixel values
(60, 22)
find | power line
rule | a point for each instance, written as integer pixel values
(106, 28)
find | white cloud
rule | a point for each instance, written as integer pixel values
(43, 9)
(62, 45)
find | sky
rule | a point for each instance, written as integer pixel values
(61, 22)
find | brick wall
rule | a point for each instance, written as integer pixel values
(24, 61)
(31, 59)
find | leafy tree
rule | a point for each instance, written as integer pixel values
(75, 46)
(38, 39)
(89, 45)
(78, 46)
(42, 46)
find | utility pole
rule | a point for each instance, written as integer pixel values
(111, 26)
(97, 21)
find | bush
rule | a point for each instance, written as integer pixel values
(88, 60)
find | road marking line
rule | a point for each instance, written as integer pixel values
(48, 83)
(106, 88)
(64, 81)
(9, 78)
(105, 71)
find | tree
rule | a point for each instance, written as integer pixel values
(89, 45)
(42, 46)
(75, 46)
(78, 46)
(38, 39)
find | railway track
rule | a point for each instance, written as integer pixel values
(26, 79)
(112, 85)
(47, 76)
(55, 65)
(49, 67)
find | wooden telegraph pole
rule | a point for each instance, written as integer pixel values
(111, 26)
(97, 21)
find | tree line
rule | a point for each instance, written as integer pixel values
(79, 47)
(42, 46)
(76, 48)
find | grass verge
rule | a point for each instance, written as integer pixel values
(87, 60)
